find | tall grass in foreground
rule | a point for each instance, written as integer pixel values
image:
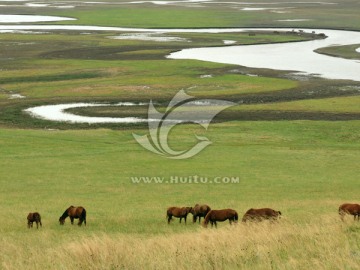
(322, 243)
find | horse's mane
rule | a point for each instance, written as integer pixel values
(65, 214)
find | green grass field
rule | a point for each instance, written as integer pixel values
(293, 145)
(306, 169)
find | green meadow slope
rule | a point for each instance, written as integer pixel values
(292, 144)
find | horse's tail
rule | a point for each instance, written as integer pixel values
(83, 216)
(40, 220)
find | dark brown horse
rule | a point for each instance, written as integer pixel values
(179, 212)
(260, 214)
(350, 209)
(34, 217)
(74, 213)
(220, 215)
(199, 211)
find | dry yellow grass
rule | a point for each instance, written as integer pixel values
(321, 243)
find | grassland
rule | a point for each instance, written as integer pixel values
(324, 14)
(282, 142)
(348, 52)
(306, 169)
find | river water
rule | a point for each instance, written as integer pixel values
(295, 56)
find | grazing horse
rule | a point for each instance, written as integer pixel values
(74, 212)
(350, 209)
(199, 211)
(261, 214)
(179, 212)
(220, 215)
(34, 217)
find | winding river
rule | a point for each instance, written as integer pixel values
(295, 56)
(58, 113)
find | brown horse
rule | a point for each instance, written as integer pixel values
(34, 217)
(177, 212)
(220, 215)
(261, 214)
(74, 212)
(350, 209)
(199, 211)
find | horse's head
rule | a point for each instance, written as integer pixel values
(189, 210)
(62, 221)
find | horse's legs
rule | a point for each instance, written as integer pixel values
(72, 220)
(199, 219)
(169, 218)
(215, 224)
(180, 219)
(185, 219)
(37, 224)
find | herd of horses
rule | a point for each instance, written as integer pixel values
(213, 216)
(198, 211)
